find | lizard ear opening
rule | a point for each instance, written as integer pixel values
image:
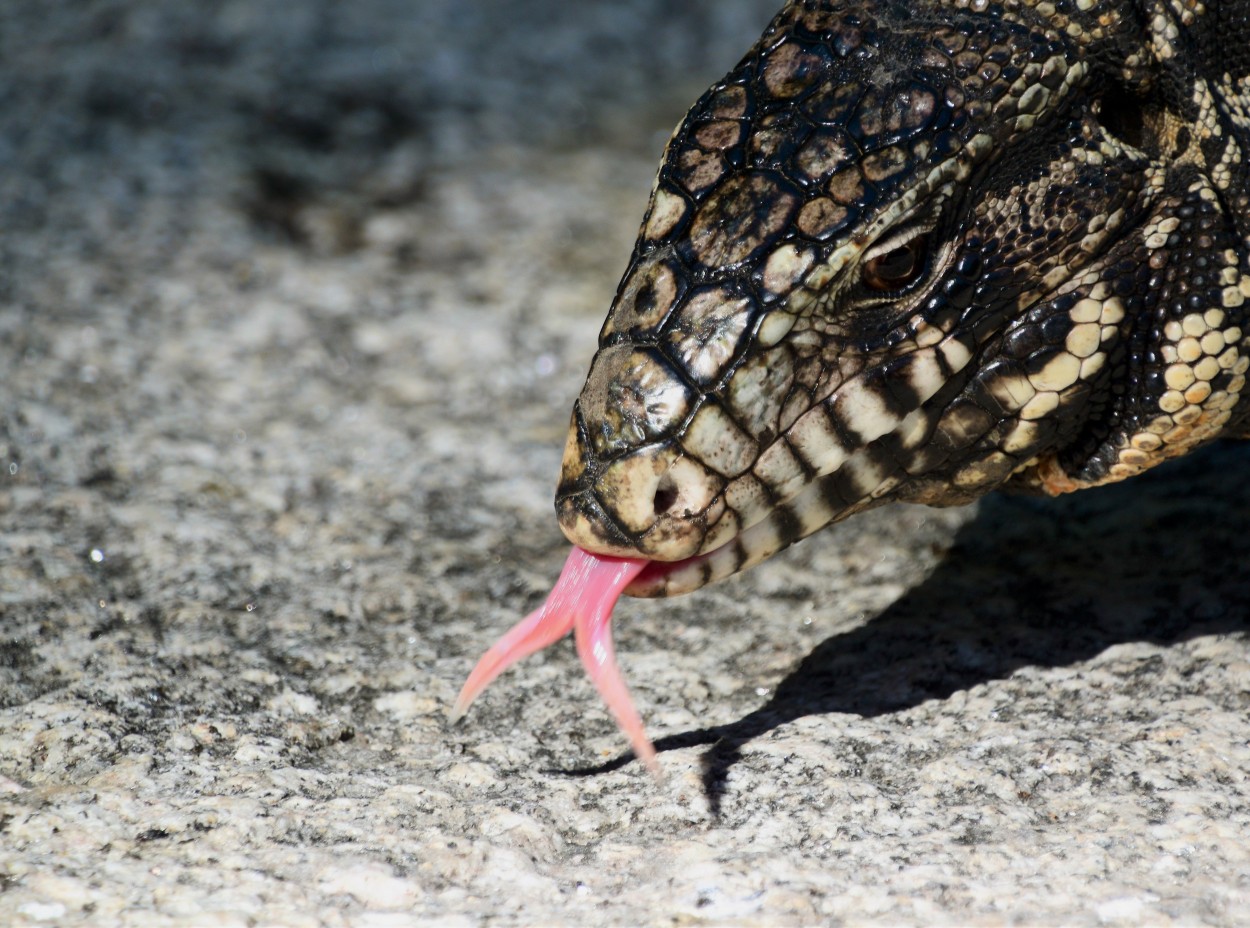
(1123, 114)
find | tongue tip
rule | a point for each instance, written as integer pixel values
(458, 709)
(644, 751)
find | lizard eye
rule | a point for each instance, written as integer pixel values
(898, 267)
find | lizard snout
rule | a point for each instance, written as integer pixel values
(654, 501)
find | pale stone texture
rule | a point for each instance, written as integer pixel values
(294, 299)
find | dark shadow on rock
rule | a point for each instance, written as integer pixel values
(1028, 582)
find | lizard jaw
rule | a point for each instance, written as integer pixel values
(807, 512)
(723, 525)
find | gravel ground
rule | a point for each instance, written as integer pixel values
(294, 299)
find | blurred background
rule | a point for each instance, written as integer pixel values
(321, 233)
(127, 125)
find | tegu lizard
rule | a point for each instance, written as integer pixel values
(916, 250)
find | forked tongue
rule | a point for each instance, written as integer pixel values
(581, 601)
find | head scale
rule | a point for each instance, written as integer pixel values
(820, 309)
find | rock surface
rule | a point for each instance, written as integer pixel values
(294, 299)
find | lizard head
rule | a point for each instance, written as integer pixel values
(857, 280)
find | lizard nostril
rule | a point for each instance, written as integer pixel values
(665, 495)
(653, 502)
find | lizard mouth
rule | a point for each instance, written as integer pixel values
(733, 543)
(701, 517)
(662, 578)
(796, 518)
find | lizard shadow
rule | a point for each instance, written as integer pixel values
(1027, 582)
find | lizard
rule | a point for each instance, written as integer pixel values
(909, 250)
(918, 251)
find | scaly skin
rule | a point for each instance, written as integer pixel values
(917, 251)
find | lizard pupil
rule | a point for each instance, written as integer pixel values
(897, 267)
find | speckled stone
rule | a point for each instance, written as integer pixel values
(293, 305)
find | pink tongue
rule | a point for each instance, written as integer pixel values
(581, 600)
